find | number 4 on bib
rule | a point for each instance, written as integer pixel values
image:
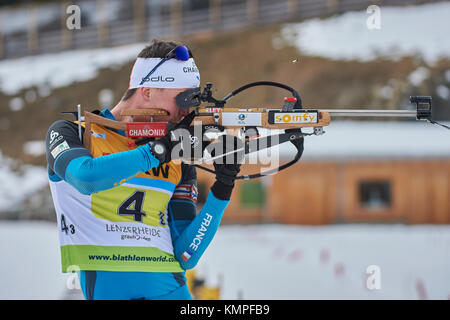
(133, 206)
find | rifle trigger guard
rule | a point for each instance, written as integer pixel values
(250, 132)
(295, 136)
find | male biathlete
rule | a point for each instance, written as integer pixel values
(127, 214)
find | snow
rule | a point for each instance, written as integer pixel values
(386, 92)
(405, 31)
(106, 97)
(16, 104)
(34, 148)
(371, 140)
(30, 96)
(443, 92)
(329, 262)
(418, 76)
(28, 179)
(379, 140)
(17, 19)
(30, 265)
(264, 261)
(55, 70)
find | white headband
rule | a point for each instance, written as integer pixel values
(172, 73)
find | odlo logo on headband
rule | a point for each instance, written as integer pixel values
(161, 79)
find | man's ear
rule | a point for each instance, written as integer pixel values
(145, 93)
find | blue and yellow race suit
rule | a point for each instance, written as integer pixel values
(128, 224)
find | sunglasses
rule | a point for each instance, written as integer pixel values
(180, 53)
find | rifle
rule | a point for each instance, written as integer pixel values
(244, 123)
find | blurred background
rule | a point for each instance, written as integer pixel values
(364, 215)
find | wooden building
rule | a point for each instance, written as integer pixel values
(395, 172)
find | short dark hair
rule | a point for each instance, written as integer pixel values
(156, 49)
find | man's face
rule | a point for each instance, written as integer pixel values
(167, 97)
(164, 99)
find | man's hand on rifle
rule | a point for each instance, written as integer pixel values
(227, 168)
(162, 148)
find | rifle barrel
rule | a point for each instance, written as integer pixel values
(370, 113)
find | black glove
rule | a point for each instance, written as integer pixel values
(162, 148)
(227, 168)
